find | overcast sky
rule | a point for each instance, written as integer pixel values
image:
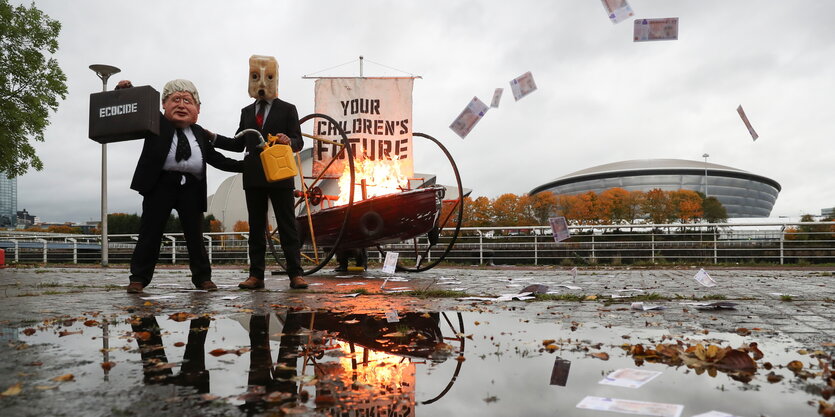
(601, 98)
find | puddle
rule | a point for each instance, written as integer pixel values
(417, 363)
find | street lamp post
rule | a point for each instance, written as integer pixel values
(104, 72)
(705, 156)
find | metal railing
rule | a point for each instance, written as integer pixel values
(776, 243)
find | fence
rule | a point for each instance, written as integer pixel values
(777, 243)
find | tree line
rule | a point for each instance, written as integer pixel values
(612, 206)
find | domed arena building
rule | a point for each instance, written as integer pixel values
(742, 193)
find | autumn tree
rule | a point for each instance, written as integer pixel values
(31, 84)
(508, 211)
(687, 205)
(478, 212)
(64, 229)
(633, 206)
(611, 205)
(211, 224)
(584, 209)
(240, 226)
(658, 207)
(540, 207)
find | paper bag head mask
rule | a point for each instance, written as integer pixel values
(263, 77)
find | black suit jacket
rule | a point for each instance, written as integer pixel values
(282, 118)
(156, 148)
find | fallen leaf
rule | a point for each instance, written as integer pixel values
(743, 331)
(29, 331)
(795, 366)
(737, 360)
(91, 323)
(460, 358)
(547, 342)
(600, 355)
(774, 378)
(67, 333)
(591, 297)
(12, 390)
(45, 387)
(36, 363)
(63, 378)
(107, 365)
(181, 316)
(277, 396)
(144, 336)
(179, 344)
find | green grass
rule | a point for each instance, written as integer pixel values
(559, 297)
(435, 293)
(786, 297)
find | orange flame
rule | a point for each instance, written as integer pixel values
(382, 177)
(382, 369)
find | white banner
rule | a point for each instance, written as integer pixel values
(376, 114)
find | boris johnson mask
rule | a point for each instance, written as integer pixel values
(263, 77)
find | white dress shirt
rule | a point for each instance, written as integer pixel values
(193, 165)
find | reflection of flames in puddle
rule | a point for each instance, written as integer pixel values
(367, 379)
(377, 368)
(381, 177)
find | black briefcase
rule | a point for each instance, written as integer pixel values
(129, 113)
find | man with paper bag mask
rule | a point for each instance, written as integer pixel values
(270, 116)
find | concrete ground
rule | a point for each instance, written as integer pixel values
(795, 302)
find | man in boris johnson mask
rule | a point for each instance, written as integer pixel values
(171, 175)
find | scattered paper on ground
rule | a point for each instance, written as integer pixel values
(629, 378)
(522, 85)
(639, 305)
(392, 317)
(618, 10)
(497, 96)
(631, 407)
(716, 305)
(469, 117)
(704, 278)
(714, 414)
(570, 287)
(158, 297)
(656, 29)
(390, 263)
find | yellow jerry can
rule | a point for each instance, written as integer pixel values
(278, 161)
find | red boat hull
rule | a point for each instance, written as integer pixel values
(378, 220)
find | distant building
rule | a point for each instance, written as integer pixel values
(828, 212)
(24, 220)
(742, 193)
(8, 201)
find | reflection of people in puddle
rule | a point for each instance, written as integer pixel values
(155, 365)
(270, 383)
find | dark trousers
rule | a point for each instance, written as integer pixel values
(256, 206)
(186, 198)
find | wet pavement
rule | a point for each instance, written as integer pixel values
(75, 343)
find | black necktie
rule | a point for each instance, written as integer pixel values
(259, 118)
(183, 147)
